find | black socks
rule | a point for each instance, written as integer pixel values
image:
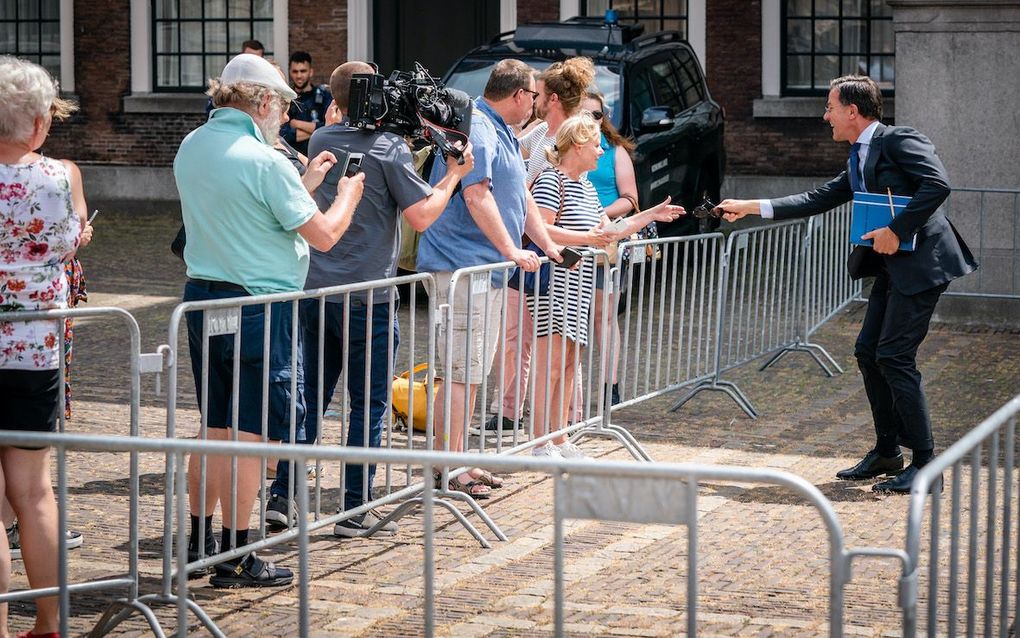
(887, 448)
(921, 458)
(242, 538)
(193, 539)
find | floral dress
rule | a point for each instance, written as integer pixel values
(39, 233)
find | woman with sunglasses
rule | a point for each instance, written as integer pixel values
(616, 186)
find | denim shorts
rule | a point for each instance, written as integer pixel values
(282, 369)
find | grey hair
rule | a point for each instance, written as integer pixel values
(246, 96)
(26, 92)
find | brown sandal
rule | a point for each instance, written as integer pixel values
(486, 478)
(474, 488)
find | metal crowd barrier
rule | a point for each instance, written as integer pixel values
(989, 220)
(138, 363)
(972, 584)
(777, 284)
(646, 493)
(223, 318)
(670, 314)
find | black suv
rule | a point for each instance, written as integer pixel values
(655, 91)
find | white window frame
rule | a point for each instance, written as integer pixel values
(772, 104)
(66, 79)
(141, 54)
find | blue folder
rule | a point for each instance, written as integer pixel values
(873, 210)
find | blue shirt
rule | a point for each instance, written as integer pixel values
(454, 240)
(603, 178)
(242, 204)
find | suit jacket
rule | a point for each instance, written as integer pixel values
(902, 159)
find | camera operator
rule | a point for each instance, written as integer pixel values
(367, 252)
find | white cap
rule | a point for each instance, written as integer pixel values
(248, 67)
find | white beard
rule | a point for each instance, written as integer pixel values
(270, 126)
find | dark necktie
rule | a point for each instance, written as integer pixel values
(855, 168)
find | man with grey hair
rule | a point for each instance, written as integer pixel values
(356, 327)
(249, 223)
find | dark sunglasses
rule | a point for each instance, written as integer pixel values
(597, 115)
(707, 208)
(534, 94)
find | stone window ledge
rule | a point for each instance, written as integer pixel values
(165, 103)
(806, 107)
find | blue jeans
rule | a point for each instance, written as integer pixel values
(374, 397)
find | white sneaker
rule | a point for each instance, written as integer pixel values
(570, 451)
(547, 449)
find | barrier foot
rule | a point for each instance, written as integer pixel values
(121, 610)
(473, 504)
(610, 431)
(817, 352)
(730, 389)
(817, 349)
(163, 599)
(441, 500)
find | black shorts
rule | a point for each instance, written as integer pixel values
(220, 373)
(32, 400)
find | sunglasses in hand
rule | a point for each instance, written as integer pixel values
(707, 208)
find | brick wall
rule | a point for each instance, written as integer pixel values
(101, 132)
(537, 11)
(320, 28)
(761, 146)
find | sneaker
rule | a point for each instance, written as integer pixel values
(507, 423)
(73, 540)
(547, 449)
(570, 451)
(356, 526)
(278, 515)
(250, 571)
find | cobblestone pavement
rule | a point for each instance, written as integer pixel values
(763, 554)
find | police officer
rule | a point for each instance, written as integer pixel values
(308, 111)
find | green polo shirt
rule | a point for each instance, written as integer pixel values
(242, 204)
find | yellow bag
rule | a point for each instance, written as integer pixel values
(401, 396)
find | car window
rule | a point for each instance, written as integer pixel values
(690, 79)
(641, 96)
(666, 82)
(471, 75)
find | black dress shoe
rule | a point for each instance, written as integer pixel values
(873, 464)
(900, 484)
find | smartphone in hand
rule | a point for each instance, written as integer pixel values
(570, 257)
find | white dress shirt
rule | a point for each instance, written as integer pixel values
(864, 139)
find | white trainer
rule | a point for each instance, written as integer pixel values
(570, 451)
(547, 449)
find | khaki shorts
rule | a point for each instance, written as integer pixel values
(478, 347)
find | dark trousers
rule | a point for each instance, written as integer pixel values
(368, 403)
(894, 326)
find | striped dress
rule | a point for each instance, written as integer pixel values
(564, 310)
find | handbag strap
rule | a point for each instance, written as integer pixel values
(633, 202)
(559, 178)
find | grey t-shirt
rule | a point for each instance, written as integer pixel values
(369, 248)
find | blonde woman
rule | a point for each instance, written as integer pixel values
(574, 217)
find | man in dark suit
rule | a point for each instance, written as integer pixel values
(907, 284)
